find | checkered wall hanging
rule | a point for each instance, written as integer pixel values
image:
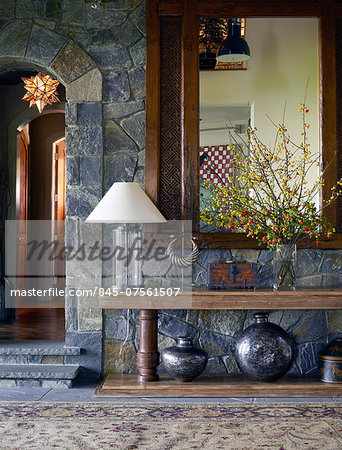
(215, 164)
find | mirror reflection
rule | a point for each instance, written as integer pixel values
(261, 92)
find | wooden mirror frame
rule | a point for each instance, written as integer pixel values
(172, 103)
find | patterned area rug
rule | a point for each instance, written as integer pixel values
(170, 426)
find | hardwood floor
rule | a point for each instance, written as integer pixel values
(35, 324)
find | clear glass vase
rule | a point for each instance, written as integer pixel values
(284, 261)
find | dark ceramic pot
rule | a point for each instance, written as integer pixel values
(330, 362)
(183, 361)
(264, 351)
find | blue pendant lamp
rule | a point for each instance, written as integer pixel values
(234, 48)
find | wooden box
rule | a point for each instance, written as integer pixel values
(232, 275)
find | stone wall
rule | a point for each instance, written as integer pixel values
(98, 54)
(217, 331)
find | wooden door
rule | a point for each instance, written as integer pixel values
(23, 140)
(58, 206)
(36, 184)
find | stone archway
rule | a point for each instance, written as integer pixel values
(38, 48)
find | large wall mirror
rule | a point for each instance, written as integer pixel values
(194, 115)
(266, 91)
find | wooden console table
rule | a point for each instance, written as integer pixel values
(214, 386)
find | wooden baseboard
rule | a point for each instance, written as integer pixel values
(214, 386)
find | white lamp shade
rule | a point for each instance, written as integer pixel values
(126, 203)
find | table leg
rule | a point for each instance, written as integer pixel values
(148, 355)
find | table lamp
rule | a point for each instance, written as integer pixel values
(128, 205)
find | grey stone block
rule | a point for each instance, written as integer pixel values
(314, 254)
(216, 344)
(53, 9)
(192, 316)
(46, 23)
(40, 4)
(135, 127)
(199, 275)
(215, 366)
(248, 255)
(332, 280)
(72, 236)
(46, 53)
(72, 170)
(290, 319)
(71, 113)
(73, 12)
(174, 327)
(89, 113)
(138, 52)
(84, 140)
(127, 33)
(305, 266)
(91, 170)
(7, 9)
(117, 110)
(103, 18)
(77, 33)
(7, 383)
(265, 257)
(208, 256)
(312, 327)
(116, 87)
(81, 201)
(13, 39)
(137, 82)
(37, 347)
(334, 320)
(13, 359)
(116, 328)
(103, 37)
(119, 167)
(39, 371)
(28, 383)
(116, 140)
(265, 277)
(139, 177)
(179, 313)
(141, 158)
(91, 357)
(307, 356)
(24, 9)
(138, 17)
(231, 365)
(71, 312)
(111, 57)
(314, 281)
(57, 384)
(332, 262)
(225, 322)
(35, 359)
(89, 313)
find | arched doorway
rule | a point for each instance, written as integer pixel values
(36, 193)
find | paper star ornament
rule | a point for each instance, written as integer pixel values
(41, 91)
